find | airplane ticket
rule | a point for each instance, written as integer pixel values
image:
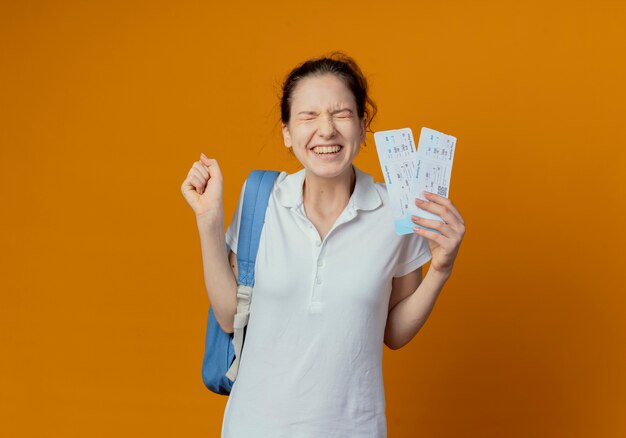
(409, 172)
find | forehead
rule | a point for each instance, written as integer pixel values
(322, 91)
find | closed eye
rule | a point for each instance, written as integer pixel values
(306, 115)
(343, 114)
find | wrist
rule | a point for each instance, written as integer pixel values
(440, 275)
(211, 218)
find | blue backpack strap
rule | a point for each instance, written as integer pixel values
(258, 189)
(219, 350)
(256, 197)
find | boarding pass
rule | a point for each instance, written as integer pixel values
(409, 171)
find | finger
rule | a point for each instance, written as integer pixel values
(197, 182)
(189, 185)
(440, 210)
(212, 167)
(194, 171)
(198, 177)
(202, 169)
(446, 202)
(445, 229)
(206, 160)
(431, 235)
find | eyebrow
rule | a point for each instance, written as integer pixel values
(332, 112)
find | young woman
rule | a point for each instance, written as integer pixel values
(333, 280)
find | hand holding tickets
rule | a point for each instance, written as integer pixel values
(418, 183)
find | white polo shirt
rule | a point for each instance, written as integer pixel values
(311, 364)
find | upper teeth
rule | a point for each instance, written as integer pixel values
(326, 149)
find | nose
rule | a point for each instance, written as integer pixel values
(326, 127)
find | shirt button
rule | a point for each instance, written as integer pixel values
(318, 280)
(320, 263)
(318, 243)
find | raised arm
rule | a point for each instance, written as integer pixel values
(203, 190)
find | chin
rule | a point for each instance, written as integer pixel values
(330, 170)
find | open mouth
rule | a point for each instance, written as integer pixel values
(327, 150)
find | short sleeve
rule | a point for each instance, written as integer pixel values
(414, 253)
(232, 232)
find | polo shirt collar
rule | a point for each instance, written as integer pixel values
(364, 197)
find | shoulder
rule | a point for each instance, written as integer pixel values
(282, 175)
(280, 180)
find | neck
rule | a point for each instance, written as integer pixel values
(327, 196)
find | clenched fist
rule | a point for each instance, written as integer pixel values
(203, 188)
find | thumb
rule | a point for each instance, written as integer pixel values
(211, 165)
(204, 159)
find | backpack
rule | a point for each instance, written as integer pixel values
(222, 351)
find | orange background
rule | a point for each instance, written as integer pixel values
(105, 106)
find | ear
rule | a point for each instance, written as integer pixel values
(286, 136)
